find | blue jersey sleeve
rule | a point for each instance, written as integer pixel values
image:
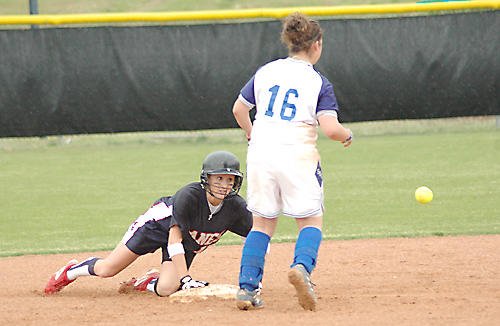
(326, 98)
(247, 92)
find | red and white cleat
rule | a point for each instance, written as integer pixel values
(60, 279)
(139, 284)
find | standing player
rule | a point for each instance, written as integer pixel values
(283, 164)
(181, 225)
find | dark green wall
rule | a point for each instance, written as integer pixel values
(112, 79)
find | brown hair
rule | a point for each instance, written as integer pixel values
(300, 32)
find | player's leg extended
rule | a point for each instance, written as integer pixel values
(305, 257)
(252, 262)
(119, 258)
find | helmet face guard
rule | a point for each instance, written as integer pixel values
(222, 162)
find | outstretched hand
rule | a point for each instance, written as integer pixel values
(188, 283)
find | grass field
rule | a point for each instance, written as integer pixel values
(10, 7)
(80, 193)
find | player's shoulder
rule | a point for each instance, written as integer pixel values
(271, 66)
(322, 77)
(237, 209)
(236, 202)
(326, 85)
(189, 193)
(166, 199)
(191, 189)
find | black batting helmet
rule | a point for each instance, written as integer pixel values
(222, 162)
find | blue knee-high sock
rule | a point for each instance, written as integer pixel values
(306, 248)
(252, 260)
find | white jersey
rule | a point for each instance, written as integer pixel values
(283, 169)
(289, 95)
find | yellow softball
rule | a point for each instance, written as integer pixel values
(423, 195)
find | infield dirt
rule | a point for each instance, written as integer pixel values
(400, 281)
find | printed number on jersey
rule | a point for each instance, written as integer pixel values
(288, 110)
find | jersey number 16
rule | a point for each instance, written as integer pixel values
(274, 92)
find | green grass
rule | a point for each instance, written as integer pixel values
(80, 193)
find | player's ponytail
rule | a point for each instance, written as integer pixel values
(299, 32)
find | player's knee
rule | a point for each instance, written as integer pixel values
(166, 288)
(104, 271)
(164, 291)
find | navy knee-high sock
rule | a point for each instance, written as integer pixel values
(84, 268)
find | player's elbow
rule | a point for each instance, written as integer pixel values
(236, 110)
(332, 128)
(330, 133)
(240, 109)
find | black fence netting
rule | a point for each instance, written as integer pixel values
(113, 79)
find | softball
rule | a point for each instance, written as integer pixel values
(423, 195)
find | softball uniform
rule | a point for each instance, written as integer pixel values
(188, 209)
(283, 164)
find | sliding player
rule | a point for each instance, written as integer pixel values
(182, 225)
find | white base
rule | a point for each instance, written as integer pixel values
(221, 291)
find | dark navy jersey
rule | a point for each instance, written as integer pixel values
(200, 229)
